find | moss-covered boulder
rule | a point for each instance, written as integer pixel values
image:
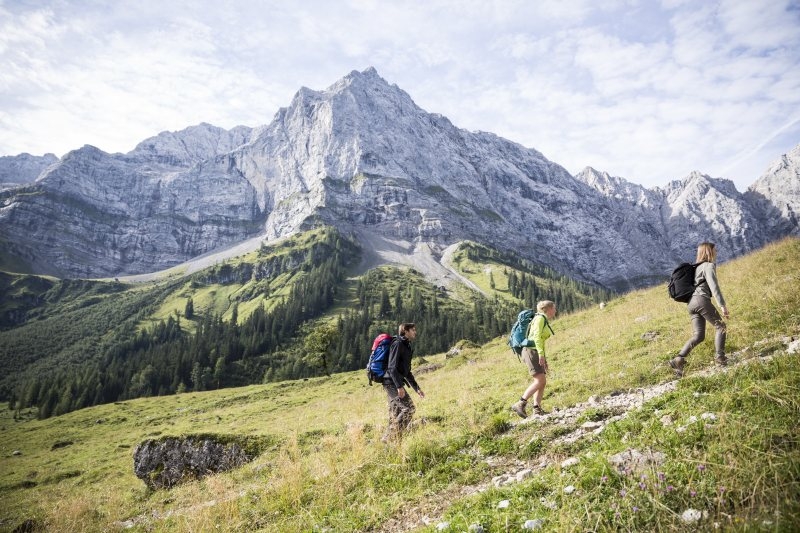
(167, 461)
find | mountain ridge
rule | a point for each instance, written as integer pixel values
(362, 156)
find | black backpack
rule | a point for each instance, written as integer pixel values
(681, 283)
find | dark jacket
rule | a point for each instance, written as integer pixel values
(398, 369)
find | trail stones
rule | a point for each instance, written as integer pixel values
(168, 461)
(632, 459)
(572, 461)
(533, 524)
(793, 347)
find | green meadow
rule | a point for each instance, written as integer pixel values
(323, 467)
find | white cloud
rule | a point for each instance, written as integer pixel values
(648, 92)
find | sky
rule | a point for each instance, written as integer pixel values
(645, 90)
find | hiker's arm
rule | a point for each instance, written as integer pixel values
(413, 383)
(713, 284)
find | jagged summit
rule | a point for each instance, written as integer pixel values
(777, 192)
(362, 156)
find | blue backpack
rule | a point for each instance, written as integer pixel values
(376, 367)
(519, 332)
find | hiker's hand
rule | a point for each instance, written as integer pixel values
(725, 312)
(401, 392)
(543, 363)
(421, 394)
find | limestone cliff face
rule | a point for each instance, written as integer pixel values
(776, 195)
(23, 168)
(97, 214)
(362, 156)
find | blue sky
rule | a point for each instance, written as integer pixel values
(645, 90)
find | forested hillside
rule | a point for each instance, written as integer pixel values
(288, 311)
(623, 444)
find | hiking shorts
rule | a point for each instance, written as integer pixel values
(531, 358)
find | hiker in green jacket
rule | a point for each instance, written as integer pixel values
(702, 310)
(535, 358)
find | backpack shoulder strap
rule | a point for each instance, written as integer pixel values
(546, 323)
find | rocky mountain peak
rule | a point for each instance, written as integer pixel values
(616, 187)
(777, 192)
(23, 168)
(191, 145)
(362, 156)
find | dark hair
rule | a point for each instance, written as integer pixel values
(404, 327)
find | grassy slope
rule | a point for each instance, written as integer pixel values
(329, 471)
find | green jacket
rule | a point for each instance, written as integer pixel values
(538, 332)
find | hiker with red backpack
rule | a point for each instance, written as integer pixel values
(702, 310)
(533, 354)
(398, 375)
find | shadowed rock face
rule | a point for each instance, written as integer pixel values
(166, 462)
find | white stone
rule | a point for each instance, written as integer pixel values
(524, 474)
(572, 461)
(442, 526)
(503, 504)
(794, 347)
(569, 489)
(690, 516)
(548, 503)
(708, 416)
(533, 524)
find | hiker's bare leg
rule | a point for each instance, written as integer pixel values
(536, 389)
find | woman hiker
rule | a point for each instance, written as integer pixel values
(702, 310)
(538, 332)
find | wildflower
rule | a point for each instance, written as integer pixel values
(670, 488)
(623, 492)
(603, 479)
(661, 476)
(701, 467)
(721, 490)
(635, 509)
(642, 485)
(692, 493)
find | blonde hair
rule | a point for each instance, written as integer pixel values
(544, 305)
(706, 252)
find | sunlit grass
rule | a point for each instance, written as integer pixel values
(328, 469)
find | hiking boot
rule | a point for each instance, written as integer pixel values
(677, 364)
(537, 410)
(721, 360)
(519, 408)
